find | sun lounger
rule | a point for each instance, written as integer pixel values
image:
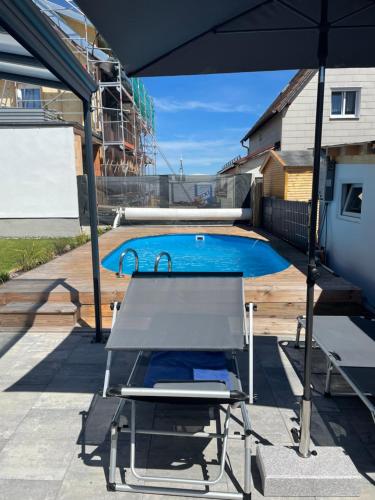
(187, 329)
(349, 345)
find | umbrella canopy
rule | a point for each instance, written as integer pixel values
(169, 37)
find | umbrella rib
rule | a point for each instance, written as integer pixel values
(357, 11)
(352, 27)
(212, 29)
(265, 30)
(298, 12)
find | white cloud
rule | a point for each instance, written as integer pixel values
(170, 105)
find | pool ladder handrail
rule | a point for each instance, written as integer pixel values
(157, 260)
(122, 257)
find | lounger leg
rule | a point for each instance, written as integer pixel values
(113, 456)
(107, 374)
(247, 485)
(327, 389)
(298, 333)
(251, 354)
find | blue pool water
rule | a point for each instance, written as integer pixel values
(200, 252)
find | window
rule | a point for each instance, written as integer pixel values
(352, 195)
(345, 103)
(31, 98)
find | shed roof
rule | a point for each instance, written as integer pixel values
(302, 158)
(299, 158)
(286, 97)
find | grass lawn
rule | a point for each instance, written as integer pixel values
(23, 254)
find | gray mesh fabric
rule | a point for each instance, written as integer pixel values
(180, 311)
(351, 340)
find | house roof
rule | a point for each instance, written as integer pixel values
(286, 97)
(300, 158)
(243, 159)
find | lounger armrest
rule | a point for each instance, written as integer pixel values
(176, 394)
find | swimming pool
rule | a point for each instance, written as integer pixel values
(199, 253)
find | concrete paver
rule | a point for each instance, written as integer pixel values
(48, 381)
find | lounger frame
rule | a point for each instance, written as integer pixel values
(128, 392)
(331, 364)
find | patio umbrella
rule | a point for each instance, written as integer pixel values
(169, 37)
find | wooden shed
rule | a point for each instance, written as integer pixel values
(288, 175)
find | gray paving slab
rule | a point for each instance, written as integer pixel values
(29, 489)
(3, 442)
(86, 475)
(14, 406)
(36, 451)
(52, 424)
(32, 457)
(269, 424)
(64, 400)
(8, 340)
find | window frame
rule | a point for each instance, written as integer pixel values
(24, 103)
(343, 91)
(345, 200)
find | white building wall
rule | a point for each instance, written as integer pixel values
(252, 167)
(266, 136)
(350, 242)
(298, 123)
(38, 179)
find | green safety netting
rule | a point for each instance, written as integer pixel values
(144, 102)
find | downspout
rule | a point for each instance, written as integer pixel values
(244, 146)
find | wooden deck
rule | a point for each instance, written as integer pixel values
(67, 279)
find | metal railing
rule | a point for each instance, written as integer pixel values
(157, 261)
(122, 257)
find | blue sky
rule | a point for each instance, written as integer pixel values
(203, 118)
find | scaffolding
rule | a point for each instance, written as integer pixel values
(123, 111)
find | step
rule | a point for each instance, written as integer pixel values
(26, 314)
(37, 291)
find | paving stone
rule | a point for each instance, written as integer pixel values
(14, 406)
(51, 424)
(8, 340)
(35, 449)
(88, 354)
(3, 442)
(64, 400)
(32, 457)
(29, 489)
(268, 424)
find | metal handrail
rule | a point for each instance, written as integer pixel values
(157, 260)
(122, 257)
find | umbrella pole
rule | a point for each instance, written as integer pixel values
(312, 272)
(93, 219)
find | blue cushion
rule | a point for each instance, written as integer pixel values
(187, 366)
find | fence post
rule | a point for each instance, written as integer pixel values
(164, 191)
(242, 184)
(309, 221)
